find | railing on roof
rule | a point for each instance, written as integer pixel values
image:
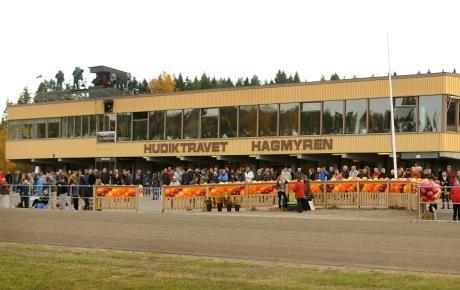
(82, 94)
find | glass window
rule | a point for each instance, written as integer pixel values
(310, 119)
(429, 112)
(27, 129)
(209, 122)
(404, 113)
(13, 130)
(70, 127)
(379, 115)
(140, 126)
(123, 126)
(92, 125)
(64, 128)
(452, 115)
(191, 123)
(228, 122)
(78, 126)
(248, 121)
(100, 123)
(356, 117)
(156, 125)
(40, 128)
(53, 128)
(289, 119)
(333, 117)
(268, 120)
(173, 124)
(85, 126)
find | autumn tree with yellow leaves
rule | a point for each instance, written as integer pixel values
(164, 83)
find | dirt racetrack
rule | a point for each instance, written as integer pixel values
(345, 238)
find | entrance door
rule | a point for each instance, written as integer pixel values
(108, 163)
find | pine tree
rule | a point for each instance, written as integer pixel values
(25, 97)
(323, 78)
(255, 81)
(334, 77)
(205, 82)
(196, 84)
(280, 77)
(428, 71)
(179, 83)
(246, 82)
(188, 84)
(290, 79)
(214, 83)
(296, 77)
(239, 82)
(454, 71)
(229, 83)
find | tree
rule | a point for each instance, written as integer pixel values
(428, 71)
(334, 77)
(246, 82)
(180, 85)
(144, 87)
(24, 97)
(454, 71)
(214, 83)
(196, 84)
(280, 77)
(239, 82)
(5, 112)
(188, 84)
(59, 79)
(205, 82)
(229, 83)
(164, 83)
(394, 74)
(255, 81)
(323, 78)
(296, 77)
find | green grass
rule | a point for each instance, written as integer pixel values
(27, 266)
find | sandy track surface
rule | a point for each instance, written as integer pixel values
(339, 238)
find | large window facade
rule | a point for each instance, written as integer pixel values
(209, 123)
(362, 116)
(123, 126)
(405, 109)
(379, 115)
(228, 122)
(248, 121)
(173, 124)
(40, 128)
(157, 125)
(333, 117)
(289, 119)
(430, 114)
(268, 120)
(191, 123)
(356, 116)
(310, 119)
(453, 114)
(53, 128)
(140, 126)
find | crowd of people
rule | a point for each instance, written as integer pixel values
(78, 183)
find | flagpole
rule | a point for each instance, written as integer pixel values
(390, 88)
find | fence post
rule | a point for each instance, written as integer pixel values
(387, 192)
(325, 194)
(358, 193)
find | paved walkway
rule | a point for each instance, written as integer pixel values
(388, 239)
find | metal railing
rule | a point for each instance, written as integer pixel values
(69, 197)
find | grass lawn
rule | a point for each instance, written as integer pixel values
(28, 266)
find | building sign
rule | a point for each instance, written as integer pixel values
(292, 145)
(217, 147)
(185, 147)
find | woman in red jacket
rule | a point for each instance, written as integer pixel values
(300, 189)
(455, 197)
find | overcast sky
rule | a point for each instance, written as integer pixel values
(224, 38)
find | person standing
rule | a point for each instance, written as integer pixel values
(444, 182)
(248, 175)
(300, 189)
(281, 187)
(74, 192)
(4, 191)
(24, 192)
(455, 197)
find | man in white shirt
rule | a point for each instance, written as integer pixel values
(249, 175)
(286, 174)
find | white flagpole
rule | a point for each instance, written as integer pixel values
(393, 136)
